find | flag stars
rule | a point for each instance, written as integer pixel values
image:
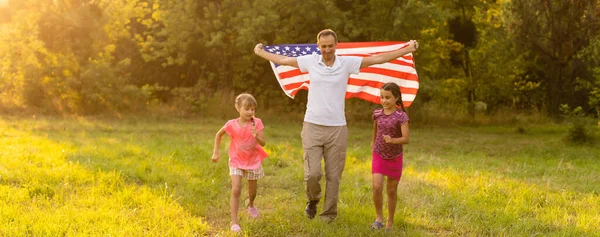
(293, 50)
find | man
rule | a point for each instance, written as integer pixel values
(324, 132)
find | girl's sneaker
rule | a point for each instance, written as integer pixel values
(236, 228)
(253, 211)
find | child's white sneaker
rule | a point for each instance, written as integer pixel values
(236, 228)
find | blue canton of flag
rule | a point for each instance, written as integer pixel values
(293, 50)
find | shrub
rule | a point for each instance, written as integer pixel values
(577, 133)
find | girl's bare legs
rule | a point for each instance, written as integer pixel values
(392, 193)
(377, 196)
(236, 189)
(252, 186)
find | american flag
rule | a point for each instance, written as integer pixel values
(365, 85)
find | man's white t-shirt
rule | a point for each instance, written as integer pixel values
(327, 88)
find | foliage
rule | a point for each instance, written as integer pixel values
(552, 33)
(591, 56)
(97, 56)
(578, 133)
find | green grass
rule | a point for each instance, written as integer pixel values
(154, 177)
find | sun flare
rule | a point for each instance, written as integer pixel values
(3, 3)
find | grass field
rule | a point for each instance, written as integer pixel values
(154, 177)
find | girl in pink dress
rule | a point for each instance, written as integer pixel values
(245, 154)
(390, 132)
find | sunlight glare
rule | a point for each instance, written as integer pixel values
(3, 3)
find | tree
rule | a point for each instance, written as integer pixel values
(550, 33)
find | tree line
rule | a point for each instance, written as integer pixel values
(98, 56)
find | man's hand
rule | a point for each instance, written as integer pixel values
(215, 157)
(413, 45)
(258, 48)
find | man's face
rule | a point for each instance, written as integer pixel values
(327, 46)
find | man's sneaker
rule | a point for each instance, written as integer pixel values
(311, 208)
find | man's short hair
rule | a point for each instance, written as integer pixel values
(327, 32)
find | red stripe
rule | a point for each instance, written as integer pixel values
(291, 73)
(377, 85)
(406, 91)
(404, 63)
(296, 90)
(293, 86)
(371, 98)
(347, 45)
(365, 96)
(390, 73)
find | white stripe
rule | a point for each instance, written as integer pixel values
(386, 79)
(279, 79)
(395, 67)
(369, 50)
(283, 68)
(275, 70)
(296, 79)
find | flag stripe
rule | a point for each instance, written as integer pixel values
(375, 99)
(294, 85)
(291, 73)
(388, 73)
(407, 73)
(377, 85)
(385, 79)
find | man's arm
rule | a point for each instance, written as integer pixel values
(276, 58)
(389, 56)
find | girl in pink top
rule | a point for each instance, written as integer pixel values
(390, 132)
(245, 154)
